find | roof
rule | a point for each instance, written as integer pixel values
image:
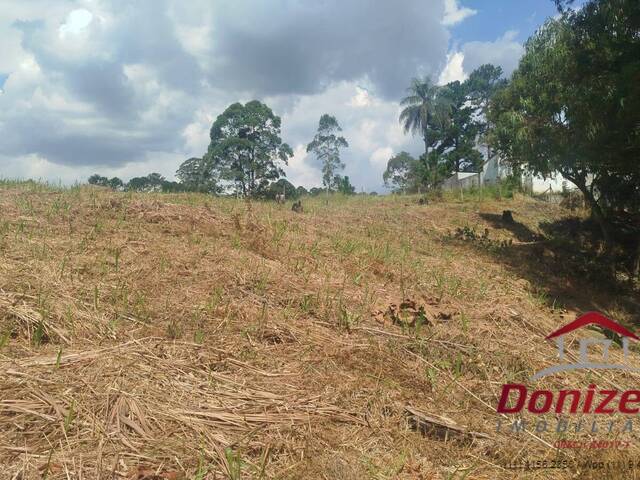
(598, 319)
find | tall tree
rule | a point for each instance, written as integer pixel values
(326, 145)
(482, 85)
(461, 130)
(425, 113)
(246, 147)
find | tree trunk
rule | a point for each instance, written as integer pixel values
(598, 215)
(426, 160)
(635, 264)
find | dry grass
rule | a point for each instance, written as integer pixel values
(180, 336)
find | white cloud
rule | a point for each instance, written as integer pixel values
(453, 69)
(196, 134)
(125, 89)
(362, 98)
(504, 51)
(370, 128)
(39, 168)
(380, 157)
(76, 22)
(454, 14)
(299, 171)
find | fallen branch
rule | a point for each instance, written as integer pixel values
(440, 428)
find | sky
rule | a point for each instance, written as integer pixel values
(126, 88)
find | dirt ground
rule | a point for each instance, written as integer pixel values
(156, 336)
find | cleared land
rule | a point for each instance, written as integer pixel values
(159, 336)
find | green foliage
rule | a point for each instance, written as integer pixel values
(401, 174)
(151, 183)
(481, 86)
(246, 148)
(573, 106)
(234, 464)
(116, 184)
(461, 130)
(451, 120)
(326, 145)
(197, 175)
(425, 111)
(344, 185)
(99, 180)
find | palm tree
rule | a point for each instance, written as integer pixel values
(425, 106)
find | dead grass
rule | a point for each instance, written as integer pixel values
(180, 336)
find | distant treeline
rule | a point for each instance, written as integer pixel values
(154, 182)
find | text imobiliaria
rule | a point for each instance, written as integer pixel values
(516, 398)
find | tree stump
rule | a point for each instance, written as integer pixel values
(507, 216)
(297, 207)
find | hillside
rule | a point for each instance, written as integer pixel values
(158, 336)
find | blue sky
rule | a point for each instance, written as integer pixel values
(494, 17)
(128, 88)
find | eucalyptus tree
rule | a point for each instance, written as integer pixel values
(246, 148)
(326, 145)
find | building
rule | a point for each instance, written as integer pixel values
(494, 170)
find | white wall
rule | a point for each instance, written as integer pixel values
(494, 170)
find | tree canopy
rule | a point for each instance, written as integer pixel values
(401, 175)
(197, 175)
(452, 121)
(573, 106)
(246, 148)
(326, 145)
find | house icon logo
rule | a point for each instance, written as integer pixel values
(584, 362)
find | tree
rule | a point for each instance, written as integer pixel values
(115, 183)
(197, 175)
(344, 185)
(401, 174)
(301, 191)
(482, 85)
(425, 112)
(573, 106)
(99, 180)
(151, 183)
(174, 187)
(246, 148)
(326, 146)
(461, 130)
